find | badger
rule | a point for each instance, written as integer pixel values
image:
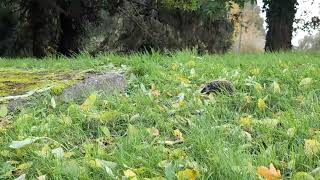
(218, 86)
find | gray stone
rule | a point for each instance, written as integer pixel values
(108, 83)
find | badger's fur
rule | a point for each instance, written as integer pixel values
(218, 86)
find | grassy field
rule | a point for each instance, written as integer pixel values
(164, 128)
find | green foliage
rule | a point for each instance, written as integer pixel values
(214, 9)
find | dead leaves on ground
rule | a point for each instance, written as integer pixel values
(270, 173)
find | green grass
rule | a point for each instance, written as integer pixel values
(218, 142)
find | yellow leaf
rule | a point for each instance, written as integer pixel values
(311, 147)
(305, 82)
(153, 131)
(24, 166)
(179, 104)
(89, 102)
(170, 143)
(291, 132)
(248, 99)
(301, 99)
(183, 80)
(154, 91)
(192, 72)
(162, 108)
(270, 173)
(132, 131)
(191, 64)
(129, 173)
(270, 123)
(68, 154)
(245, 121)
(255, 71)
(258, 87)
(174, 66)
(261, 104)
(303, 176)
(276, 87)
(188, 174)
(178, 134)
(106, 116)
(66, 120)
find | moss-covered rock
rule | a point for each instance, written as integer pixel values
(18, 81)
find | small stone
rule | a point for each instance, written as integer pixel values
(218, 86)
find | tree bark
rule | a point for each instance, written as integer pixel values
(280, 19)
(71, 40)
(43, 22)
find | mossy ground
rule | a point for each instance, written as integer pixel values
(163, 127)
(19, 81)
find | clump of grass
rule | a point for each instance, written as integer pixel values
(163, 127)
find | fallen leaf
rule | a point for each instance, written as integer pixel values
(153, 131)
(270, 123)
(316, 172)
(105, 130)
(258, 87)
(191, 64)
(255, 71)
(107, 165)
(134, 117)
(4, 122)
(192, 72)
(89, 102)
(270, 173)
(129, 173)
(311, 147)
(261, 104)
(170, 143)
(301, 99)
(189, 174)
(68, 154)
(305, 82)
(43, 177)
(276, 87)
(174, 66)
(143, 88)
(245, 121)
(3, 111)
(132, 131)
(302, 176)
(178, 134)
(58, 152)
(183, 79)
(21, 177)
(23, 143)
(106, 116)
(53, 103)
(248, 99)
(24, 166)
(291, 132)
(154, 91)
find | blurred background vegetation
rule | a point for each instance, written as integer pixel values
(40, 28)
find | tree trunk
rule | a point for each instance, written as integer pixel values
(43, 22)
(280, 19)
(71, 40)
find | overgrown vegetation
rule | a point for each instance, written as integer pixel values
(162, 127)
